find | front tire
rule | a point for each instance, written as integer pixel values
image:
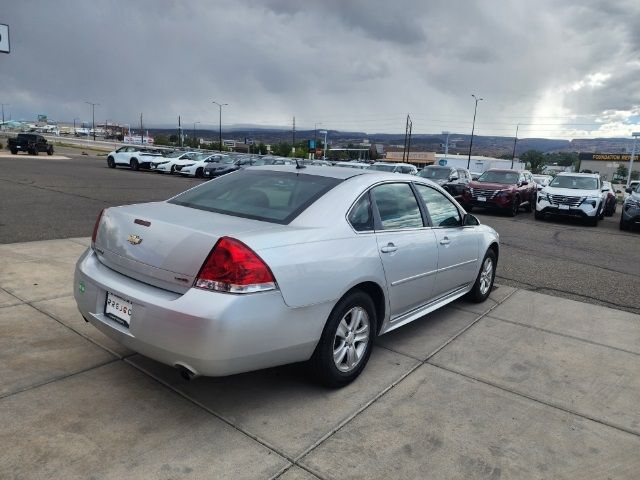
(346, 342)
(624, 225)
(515, 207)
(135, 165)
(50, 151)
(484, 281)
(200, 173)
(111, 163)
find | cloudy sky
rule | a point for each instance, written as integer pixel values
(560, 69)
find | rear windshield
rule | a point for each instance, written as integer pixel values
(435, 172)
(265, 195)
(382, 168)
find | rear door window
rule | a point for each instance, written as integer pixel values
(361, 216)
(397, 206)
(265, 195)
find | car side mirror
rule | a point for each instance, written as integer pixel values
(524, 183)
(470, 220)
(618, 191)
(453, 177)
(628, 190)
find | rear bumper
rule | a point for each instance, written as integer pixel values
(211, 333)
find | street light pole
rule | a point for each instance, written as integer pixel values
(325, 144)
(475, 110)
(635, 136)
(446, 145)
(220, 105)
(3, 105)
(194, 134)
(515, 141)
(93, 115)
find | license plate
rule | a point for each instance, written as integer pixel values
(482, 199)
(563, 207)
(118, 309)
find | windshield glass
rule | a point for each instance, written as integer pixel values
(575, 183)
(202, 156)
(434, 172)
(382, 168)
(173, 154)
(510, 178)
(258, 194)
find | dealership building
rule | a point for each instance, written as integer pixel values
(606, 164)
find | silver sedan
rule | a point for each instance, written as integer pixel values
(280, 264)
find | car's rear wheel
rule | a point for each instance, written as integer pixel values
(135, 165)
(173, 169)
(200, 172)
(34, 151)
(111, 163)
(484, 281)
(14, 151)
(346, 342)
(50, 151)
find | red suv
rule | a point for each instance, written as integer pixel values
(507, 190)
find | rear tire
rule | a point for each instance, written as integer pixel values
(343, 352)
(111, 163)
(50, 151)
(134, 164)
(14, 151)
(484, 281)
(624, 225)
(173, 170)
(34, 151)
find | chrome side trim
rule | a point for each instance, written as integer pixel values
(431, 272)
(415, 277)
(457, 265)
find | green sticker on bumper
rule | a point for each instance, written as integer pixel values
(81, 287)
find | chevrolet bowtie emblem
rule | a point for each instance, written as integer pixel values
(134, 240)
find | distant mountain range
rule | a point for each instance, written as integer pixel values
(458, 143)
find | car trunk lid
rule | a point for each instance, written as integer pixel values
(163, 244)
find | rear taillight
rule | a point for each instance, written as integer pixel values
(235, 268)
(94, 235)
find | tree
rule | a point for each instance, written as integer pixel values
(261, 149)
(535, 159)
(282, 149)
(622, 172)
(635, 175)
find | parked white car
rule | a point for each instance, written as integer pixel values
(542, 180)
(573, 194)
(196, 168)
(132, 157)
(360, 165)
(394, 167)
(168, 163)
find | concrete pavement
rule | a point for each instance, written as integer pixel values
(523, 386)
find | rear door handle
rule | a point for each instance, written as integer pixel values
(445, 241)
(389, 248)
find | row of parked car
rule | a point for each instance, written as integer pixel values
(580, 195)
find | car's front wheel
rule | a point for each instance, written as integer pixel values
(346, 342)
(135, 165)
(624, 225)
(111, 163)
(484, 281)
(515, 206)
(50, 151)
(200, 173)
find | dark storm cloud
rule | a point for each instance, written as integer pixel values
(357, 64)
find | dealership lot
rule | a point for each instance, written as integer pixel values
(525, 385)
(45, 199)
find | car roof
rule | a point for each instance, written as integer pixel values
(575, 174)
(393, 163)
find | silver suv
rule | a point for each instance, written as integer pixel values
(572, 194)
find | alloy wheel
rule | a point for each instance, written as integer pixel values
(486, 275)
(351, 339)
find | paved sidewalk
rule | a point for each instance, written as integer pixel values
(523, 386)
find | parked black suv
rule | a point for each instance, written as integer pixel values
(30, 143)
(452, 179)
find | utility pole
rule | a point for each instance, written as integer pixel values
(93, 115)
(220, 105)
(3, 105)
(293, 135)
(407, 141)
(195, 144)
(141, 131)
(179, 132)
(515, 141)
(635, 136)
(315, 137)
(325, 143)
(475, 110)
(446, 145)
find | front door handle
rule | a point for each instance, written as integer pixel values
(389, 248)
(445, 241)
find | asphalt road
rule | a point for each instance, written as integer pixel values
(46, 199)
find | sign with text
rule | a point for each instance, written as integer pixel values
(4, 38)
(137, 139)
(606, 157)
